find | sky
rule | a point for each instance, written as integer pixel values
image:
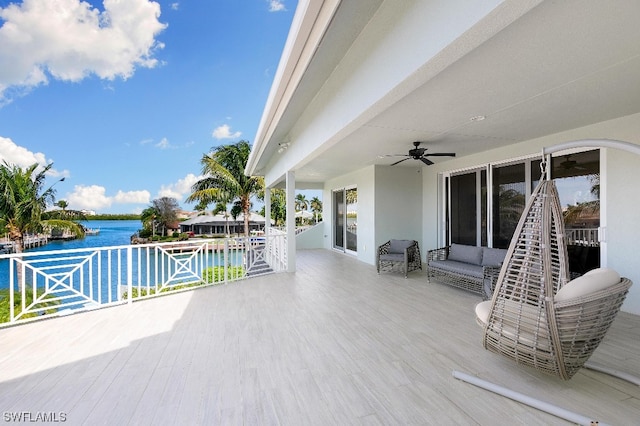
(124, 97)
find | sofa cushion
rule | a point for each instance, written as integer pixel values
(594, 280)
(466, 254)
(493, 256)
(399, 246)
(461, 268)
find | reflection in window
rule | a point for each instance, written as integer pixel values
(577, 177)
(463, 209)
(508, 202)
(352, 219)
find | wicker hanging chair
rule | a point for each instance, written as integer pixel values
(526, 319)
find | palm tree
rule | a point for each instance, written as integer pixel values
(316, 206)
(224, 179)
(148, 218)
(23, 202)
(278, 205)
(222, 208)
(301, 202)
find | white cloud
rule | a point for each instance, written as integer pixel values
(94, 197)
(224, 132)
(137, 197)
(179, 189)
(70, 40)
(163, 144)
(88, 197)
(175, 6)
(276, 6)
(22, 157)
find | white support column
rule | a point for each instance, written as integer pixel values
(291, 221)
(267, 212)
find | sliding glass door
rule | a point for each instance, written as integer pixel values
(468, 211)
(484, 205)
(345, 219)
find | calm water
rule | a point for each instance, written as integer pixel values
(112, 233)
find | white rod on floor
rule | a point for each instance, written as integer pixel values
(612, 372)
(532, 402)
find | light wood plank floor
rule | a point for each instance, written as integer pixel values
(332, 344)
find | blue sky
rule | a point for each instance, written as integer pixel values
(124, 97)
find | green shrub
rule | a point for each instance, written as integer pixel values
(215, 274)
(145, 233)
(142, 292)
(17, 304)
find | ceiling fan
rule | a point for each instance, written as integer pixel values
(418, 153)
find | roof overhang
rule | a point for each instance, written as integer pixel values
(524, 70)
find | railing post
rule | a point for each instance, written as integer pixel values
(130, 274)
(11, 291)
(225, 258)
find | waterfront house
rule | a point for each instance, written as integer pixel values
(219, 224)
(335, 343)
(493, 82)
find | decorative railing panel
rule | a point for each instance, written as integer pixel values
(583, 236)
(52, 283)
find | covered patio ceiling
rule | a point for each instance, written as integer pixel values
(551, 68)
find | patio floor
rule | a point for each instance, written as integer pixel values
(333, 343)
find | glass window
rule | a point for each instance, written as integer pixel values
(463, 209)
(577, 177)
(508, 202)
(351, 196)
(345, 219)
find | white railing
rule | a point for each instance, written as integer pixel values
(52, 283)
(582, 236)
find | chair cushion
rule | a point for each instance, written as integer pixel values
(522, 323)
(493, 256)
(392, 257)
(456, 267)
(594, 280)
(483, 309)
(466, 254)
(399, 246)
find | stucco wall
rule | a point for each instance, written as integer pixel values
(398, 207)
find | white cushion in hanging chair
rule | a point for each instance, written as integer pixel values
(591, 282)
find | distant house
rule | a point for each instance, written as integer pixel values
(217, 224)
(173, 228)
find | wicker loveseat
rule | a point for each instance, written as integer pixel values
(468, 267)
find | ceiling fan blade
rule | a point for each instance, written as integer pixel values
(404, 159)
(426, 161)
(392, 155)
(441, 154)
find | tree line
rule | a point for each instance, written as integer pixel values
(25, 199)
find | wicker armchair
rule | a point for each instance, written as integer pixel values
(399, 254)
